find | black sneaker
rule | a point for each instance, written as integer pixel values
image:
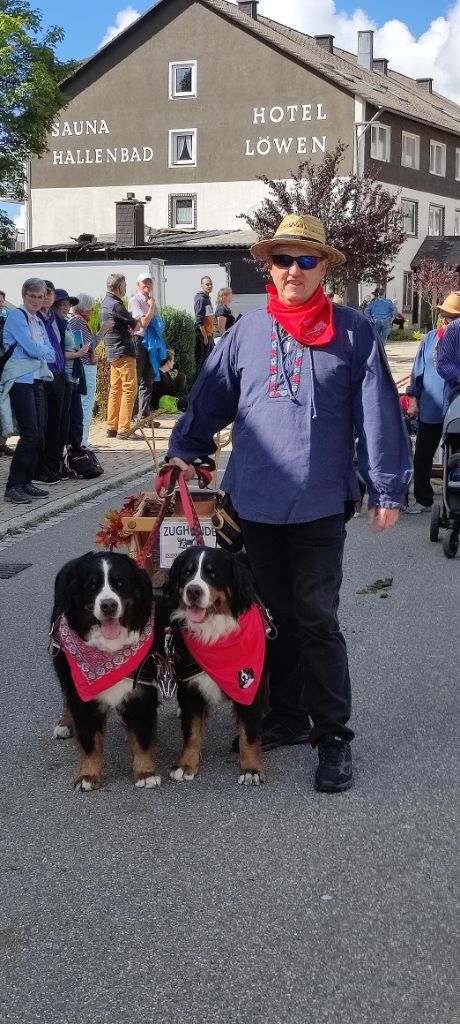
(48, 477)
(334, 773)
(35, 492)
(17, 496)
(110, 433)
(275, 734)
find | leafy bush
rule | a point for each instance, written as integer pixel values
(405, 335)
(180, 335)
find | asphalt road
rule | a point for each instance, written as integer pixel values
(205, 902)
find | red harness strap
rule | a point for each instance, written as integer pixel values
(165, 483)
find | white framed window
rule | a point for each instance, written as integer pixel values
(436, 220)
(380, 142)
(182, 79)
(408, 289)
(437, 158)
(182, 147)
(409, 210)
(457, 164)
(410, 150)
(457, 222)
(182, 211)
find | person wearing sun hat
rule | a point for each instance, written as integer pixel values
(448, 353)
(298, 379)
(426, 393)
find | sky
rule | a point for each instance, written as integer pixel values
(419, 38)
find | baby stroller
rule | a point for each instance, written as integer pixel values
(447, 515)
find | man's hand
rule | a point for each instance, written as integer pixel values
(188, 469)
(412, 408)
(381, 519)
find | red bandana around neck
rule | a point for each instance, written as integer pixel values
(236, 661)
(440, 333)
(94, 671)
(311, 324)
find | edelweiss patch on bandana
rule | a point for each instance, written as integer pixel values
(94, 671)
(236, 661)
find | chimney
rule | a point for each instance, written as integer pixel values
(248, 7)
(425, 83)
(325, 42)
(129, 221)
(380, 64)
(365, 49)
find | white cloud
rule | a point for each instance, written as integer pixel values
(434, 54)
(122, 20)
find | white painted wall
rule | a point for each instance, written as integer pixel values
(61, 213)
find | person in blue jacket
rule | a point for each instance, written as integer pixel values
(426, 391)
(299, 379)
(380, 313)
(22, 386)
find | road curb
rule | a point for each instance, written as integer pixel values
(96, 487)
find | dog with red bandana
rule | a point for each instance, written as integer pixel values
(102, 633)
(219, 648)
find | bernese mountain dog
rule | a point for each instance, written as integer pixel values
(219, 651)
(102, 633)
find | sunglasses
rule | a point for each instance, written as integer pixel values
(283, 261)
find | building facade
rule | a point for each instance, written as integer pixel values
(195, 100)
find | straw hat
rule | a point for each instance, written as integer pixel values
(304, 231)
(451, 305)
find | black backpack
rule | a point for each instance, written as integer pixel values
(81, 462)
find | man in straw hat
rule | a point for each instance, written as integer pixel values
(298, 378)
(449, 350)
(426, 390)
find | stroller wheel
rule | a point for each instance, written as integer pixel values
(450, 543)
(435, 522)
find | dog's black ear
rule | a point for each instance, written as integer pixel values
(142, 596)
(66, 584)
(171, 590)
(242, 592)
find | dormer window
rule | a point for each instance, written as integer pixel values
(182, 80)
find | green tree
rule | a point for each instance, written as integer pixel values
(29, 90)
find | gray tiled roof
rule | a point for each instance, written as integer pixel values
(445, 249)
(394, 91)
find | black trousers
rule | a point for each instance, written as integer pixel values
(428, 438)
(72, 417)
(51, 454)
(144, 380)
(28, 405)
(202, 351)
(298, 573)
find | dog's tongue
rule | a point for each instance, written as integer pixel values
(110, 629)
(196, 614)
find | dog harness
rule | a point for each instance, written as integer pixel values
(235, 662)
(94, 671)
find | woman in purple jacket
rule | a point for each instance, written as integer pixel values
(299, 380)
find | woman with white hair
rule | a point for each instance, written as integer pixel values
(79, 321)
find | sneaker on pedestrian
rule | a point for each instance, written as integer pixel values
(417, 508)
(110, 433)
(129, 437)
(334, 773)
(5, 450)
(17, 496)
(277, 734)
(48, 477)
(35, 492)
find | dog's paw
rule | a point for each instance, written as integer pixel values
(251, 778)
(178, 774)
(62, 732)
(86, 783)
(148, 782)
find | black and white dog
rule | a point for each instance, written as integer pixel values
(102, 632)
(219, 651)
